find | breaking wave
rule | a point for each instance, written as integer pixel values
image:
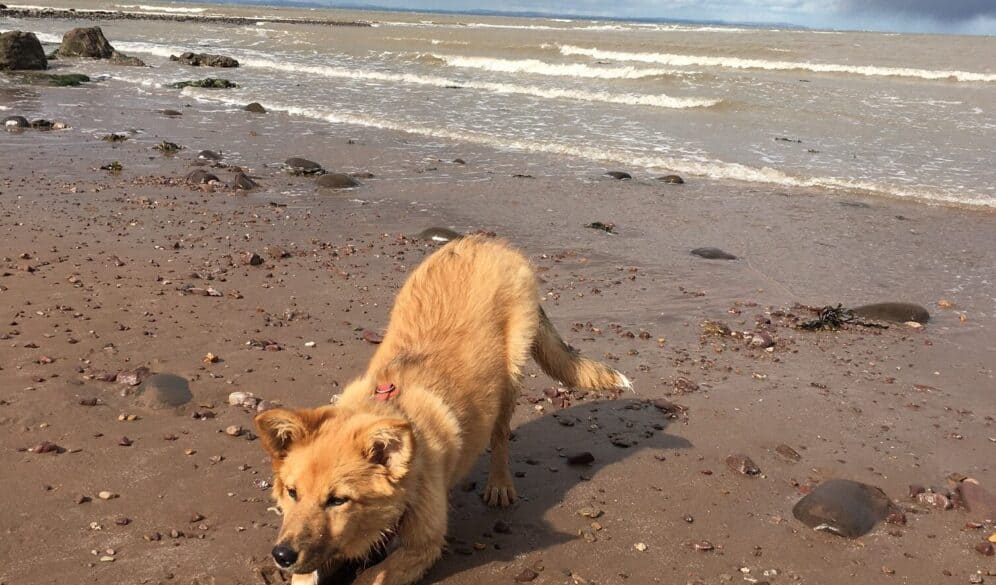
(676, 60)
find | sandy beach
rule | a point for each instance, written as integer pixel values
(103, 272)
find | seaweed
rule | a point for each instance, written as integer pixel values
(207, 83)
(831, 318)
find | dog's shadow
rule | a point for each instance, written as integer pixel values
(611, 430)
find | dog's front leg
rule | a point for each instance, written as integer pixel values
(421, 537)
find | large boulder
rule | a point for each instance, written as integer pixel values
(90, 42)
(205, 59)
(87, 42)
(21, 50)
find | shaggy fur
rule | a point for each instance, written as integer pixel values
(354, 477)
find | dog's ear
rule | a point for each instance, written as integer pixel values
(279, 428)
(390, 443)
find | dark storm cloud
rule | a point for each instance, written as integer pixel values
(942, 10)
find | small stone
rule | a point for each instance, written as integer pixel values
(252, 259)
(82, 499)
(502, 527)
(107, 559)
(239, 398)
(336, 181)
(590, 513)
(106, 495)
(985, 548)
(234, 431)
(255, 108)
(618, 175)
(788, 453)
(526, 575)
(125, 442)
(671, 179)
(935, 500)
(584, 458)
(642, 547)
(47, 447)
(310, 344)
(372, 336)
(743, 464)
(122, 521)
(976, 578)
(712, 254)
(703, 545)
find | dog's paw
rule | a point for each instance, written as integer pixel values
(304, 578)
(500, 496)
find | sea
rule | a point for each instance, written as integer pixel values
(906, 116)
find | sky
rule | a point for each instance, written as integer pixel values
(941, 16)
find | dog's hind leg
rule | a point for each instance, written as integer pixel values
(500, 491)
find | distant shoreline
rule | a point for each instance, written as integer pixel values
(69, 13)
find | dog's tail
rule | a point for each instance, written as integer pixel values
(562, 362)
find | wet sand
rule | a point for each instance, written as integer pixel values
(98, 267)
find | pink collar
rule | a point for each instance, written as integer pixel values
(385, 392)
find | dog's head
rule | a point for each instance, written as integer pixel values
(339, 478)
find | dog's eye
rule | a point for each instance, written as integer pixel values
(292, 493)
(335, 501)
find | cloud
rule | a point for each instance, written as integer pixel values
(944, 11)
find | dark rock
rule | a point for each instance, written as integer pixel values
(122, 59)
(21, 50)
(607, 227)
(242, 182)
(712, 254)
(584, 458)
(205, 59)
(47, 447)
(200, 176)
(619, 175)
(252, 259)
(371, 336)
(209, 155)
(436, 234)
(459, 161)
(502, 527)
(843, 507)
(302, 166)
(171, 113)
(671, 179)
(41, 124)
(526, 575)
(743, 465)
(856, 204)
(255, 108)
(167, 147)
(16, 122)
(206, 83)
(163, 391)
(894, 312)
(362, 175)
(985, 549)
(336, 181)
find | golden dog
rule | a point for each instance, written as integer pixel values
(371, 473)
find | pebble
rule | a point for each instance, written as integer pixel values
(436, 234)
(642, 547)
(704, 545)
(620, 175)
(252, 259)
(526, 575)
(106, 495)
(788, 453)
(743, 464)
(935, 500)
(584, 458)
(255, 108)
(310, 344)
(672, 179)
(502, 527)
(234, 430)
(590, 513)
(985, 549)
(712, 254)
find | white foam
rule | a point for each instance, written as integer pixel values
(658, 100)
(705, 167)
(166, 9)
(537, 67)
(676, 60)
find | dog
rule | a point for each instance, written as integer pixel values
(370, 474)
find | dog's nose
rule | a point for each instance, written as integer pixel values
(284, 555)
